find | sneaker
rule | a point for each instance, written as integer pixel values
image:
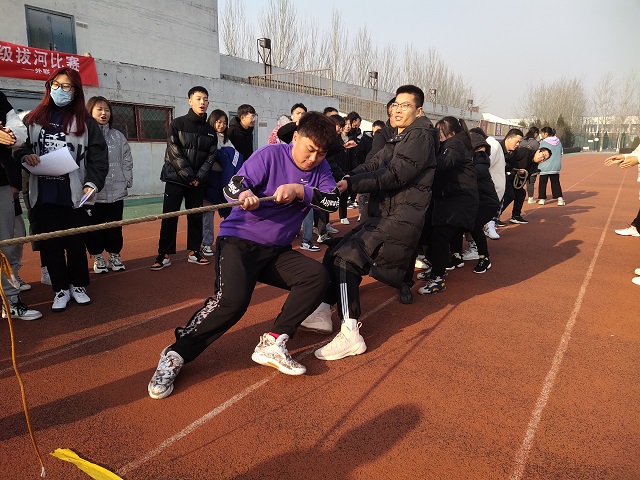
(273, 352)
(435, 284)
(161, 384)
(45, 279)
(207, 251)
(344, 221)
(541, 201)
(630, 231)
(324, 237)
(422, 263)
(162, 261)
(531, 200)
(331, 229)
(79, 294)
(22, 285)
(309, 246)
(359, 217)
(471, 253)
(518, 219)
(636, 280)
(490, 231)
(455, 261)
(406, 297)
(347, 342)
(637, 271)
(115, 263)
(484, 264)
(197, 258)
(99, 265)
(500, 223)
(21, 311)
(351, 206)
(60, 301)
(424, 275)
(561, 202)
(319, 321)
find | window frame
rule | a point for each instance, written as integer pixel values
(168, 111)
(57, 14)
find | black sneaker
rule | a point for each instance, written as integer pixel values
(484, 264)
(518, 219)
(455, 261)
(500, 223)
(405, 294)
(161, 262)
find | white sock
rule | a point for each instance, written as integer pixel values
(352, 324)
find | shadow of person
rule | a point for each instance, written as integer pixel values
(362, 445)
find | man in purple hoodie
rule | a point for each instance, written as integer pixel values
(254, 245)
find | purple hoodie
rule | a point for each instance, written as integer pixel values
(274, 224)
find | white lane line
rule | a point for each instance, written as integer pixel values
(525, 449)
(221, 408)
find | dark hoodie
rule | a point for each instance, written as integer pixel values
(240, 137)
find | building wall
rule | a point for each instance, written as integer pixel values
(180, 35)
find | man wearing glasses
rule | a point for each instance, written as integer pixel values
(399, 178)
(241, 130)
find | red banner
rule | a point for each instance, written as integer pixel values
(18, 61)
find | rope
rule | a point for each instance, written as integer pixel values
(520, 180)
(5, 269)
(120, 223)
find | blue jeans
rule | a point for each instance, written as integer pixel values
(207, 224)
(307, 228)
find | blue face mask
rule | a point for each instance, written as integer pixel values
(60, 97)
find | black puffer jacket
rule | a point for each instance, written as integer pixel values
(455, 189)
(192, 148)
(399, 178)
(241, 138)
(488, 199)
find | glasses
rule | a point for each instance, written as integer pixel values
(402, 106)
(67, 87)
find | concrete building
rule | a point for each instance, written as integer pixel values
(148, 54)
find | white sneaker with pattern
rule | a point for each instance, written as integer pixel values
(99, 265)
(61, 300)
(115, 263)
(161, 384)
(79, 294)
(319, 321)
(273, 352)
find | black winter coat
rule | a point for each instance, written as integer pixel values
(488, 199)
(241, 138)
(455, 189)
(399, 178)
(192, 149)
(381, 137)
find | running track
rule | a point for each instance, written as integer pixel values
(530, 371)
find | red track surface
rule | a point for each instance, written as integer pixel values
(527, 372)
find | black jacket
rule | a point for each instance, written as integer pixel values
(522, 159)
(381, 137)
(242, 138)
(488, 203)
(399, 179)
(10, 170)
(192, 149)
(364, 147)
(455, 189)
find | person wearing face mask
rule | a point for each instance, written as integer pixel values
(61, 121)
(109, 204)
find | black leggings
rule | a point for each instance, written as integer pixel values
(556, 189)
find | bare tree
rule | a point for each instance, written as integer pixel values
(386, 64)
(546, 102)
(236, 31)
(626, 107)
(604, 103)
(364, 53)
(335, 48)
(278, 21)
(309, 52)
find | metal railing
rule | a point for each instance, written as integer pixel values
(368, 109)
(312, 82)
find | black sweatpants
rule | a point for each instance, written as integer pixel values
(109, 240)
(636, 221)
(345, 284)
(64, 257)
(556, 189)
(240, 264)
(515, 195)
(173, 196)
(441, 237)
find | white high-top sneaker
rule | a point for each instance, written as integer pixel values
(347, 342)
(319, 321)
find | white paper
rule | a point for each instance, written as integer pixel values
(56, 163)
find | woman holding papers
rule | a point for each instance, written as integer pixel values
(60, 121)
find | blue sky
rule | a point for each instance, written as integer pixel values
(502, 46)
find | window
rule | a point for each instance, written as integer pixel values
(141, 123)
(50, 30)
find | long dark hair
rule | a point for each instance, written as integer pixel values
(41, 115)
(95, 100)
(214, 117)
(532, 133)
(453, 125)
(549, 131)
